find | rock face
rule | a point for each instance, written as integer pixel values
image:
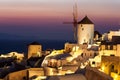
(94, 74)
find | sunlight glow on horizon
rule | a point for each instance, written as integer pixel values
(39, 15)
(40, 8)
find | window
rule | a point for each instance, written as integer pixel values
(82, 54)
(93, 62)
(24, 78)
(112, 55)
(90, 54)
(95, 54)
(103, 47)
(108, 47)
(81, 25)
(114, 47)
(85, 54)
(111, 47)
(82, 29)
(112, 68)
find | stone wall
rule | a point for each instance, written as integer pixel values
(95, 74)
(25, 74)
(19, 75)
(36, 72)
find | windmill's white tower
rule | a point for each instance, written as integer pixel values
(34, 50)
(85, 31)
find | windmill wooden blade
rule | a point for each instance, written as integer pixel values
(75, 22)
(75, 16)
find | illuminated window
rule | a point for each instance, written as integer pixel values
(85, 54)
(108, 47)
(114, 47)
(103, 47)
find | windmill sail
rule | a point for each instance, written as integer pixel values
(75, 17)
(75, 22)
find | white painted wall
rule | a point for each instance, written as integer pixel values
(34, 50)
(85, 33)
(113, 33)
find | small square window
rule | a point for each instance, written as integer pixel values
(82, 29)
(81, 25)
(93, 62)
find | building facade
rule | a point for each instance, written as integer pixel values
(34, 50)
(111, 66)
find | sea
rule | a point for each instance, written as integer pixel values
(21, 46)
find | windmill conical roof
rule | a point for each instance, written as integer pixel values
(34, 43)
(85, 20)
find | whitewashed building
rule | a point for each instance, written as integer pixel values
(85, 31)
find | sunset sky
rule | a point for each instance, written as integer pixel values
(43, 19)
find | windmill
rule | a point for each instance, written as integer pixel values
(75, 21)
